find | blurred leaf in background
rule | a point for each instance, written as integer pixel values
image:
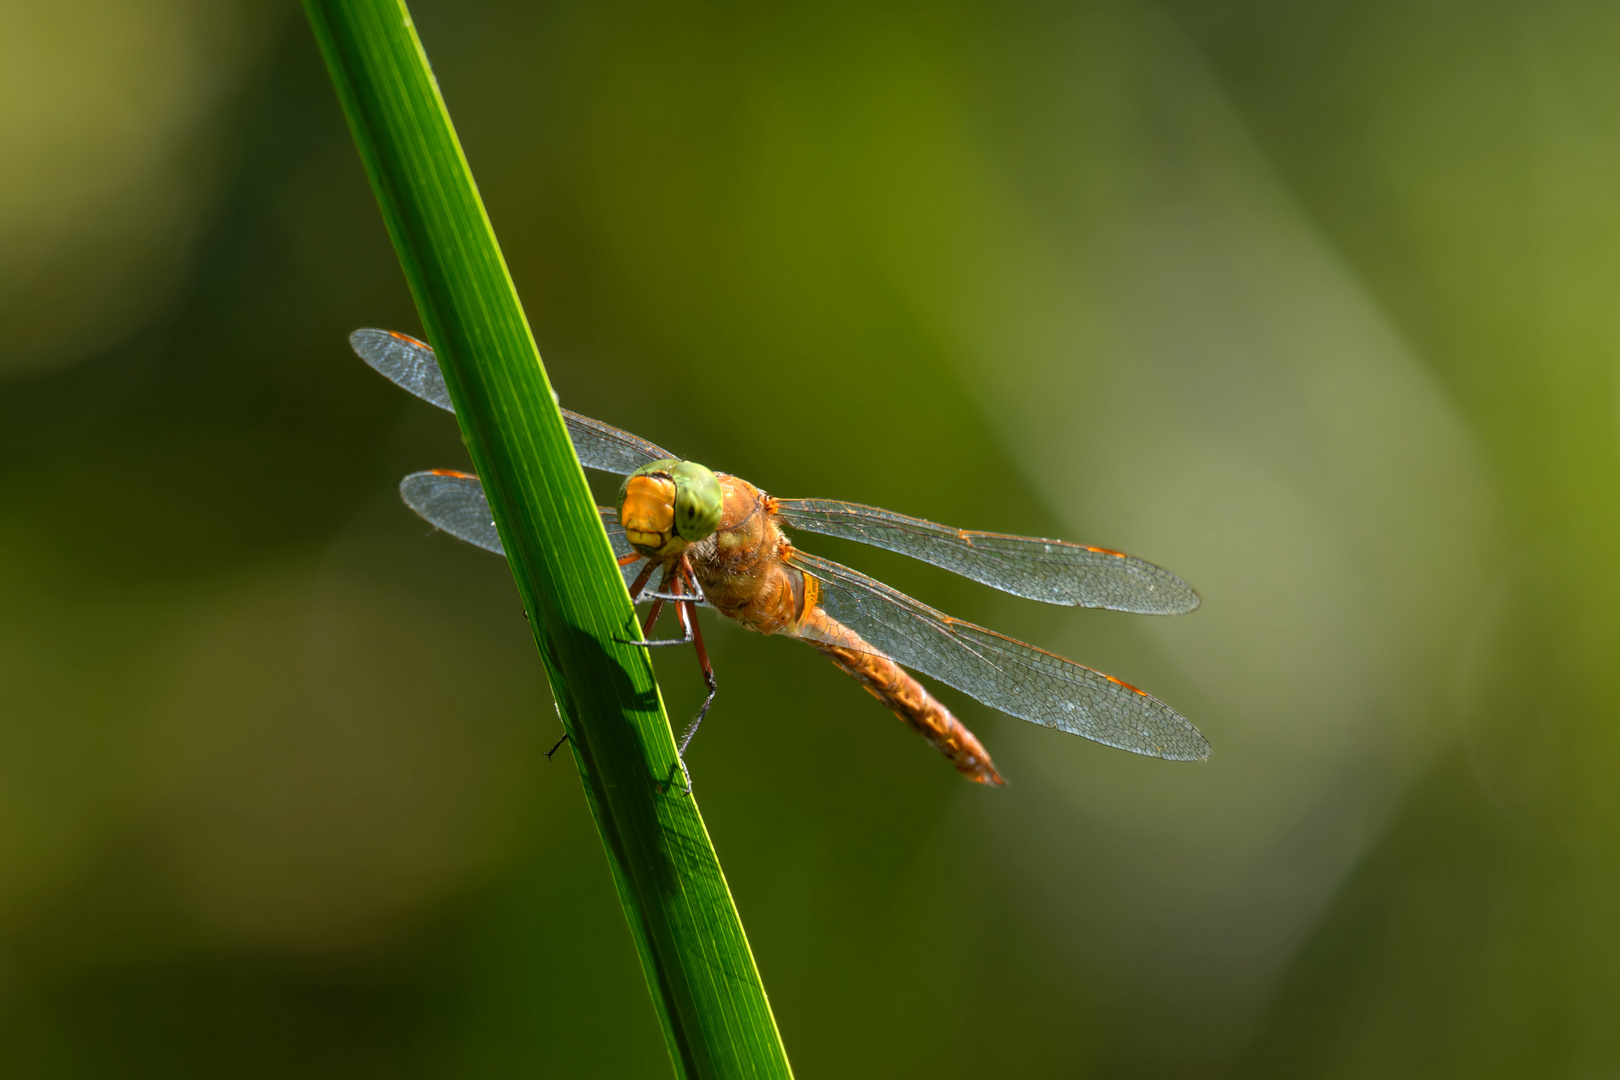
(1311, 305)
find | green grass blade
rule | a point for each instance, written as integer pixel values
(702, 976)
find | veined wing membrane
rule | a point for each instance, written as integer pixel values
(411, 365)
(1048, 570)
(610, 449)
(407, 363)
(455, 502)
(1005, 674)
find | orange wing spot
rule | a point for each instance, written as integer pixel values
(1126, 685)
(965, 536)
(452, 472)
(1115, 554)
(408, 338)
(630, 558)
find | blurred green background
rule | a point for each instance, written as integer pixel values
(1313, 304)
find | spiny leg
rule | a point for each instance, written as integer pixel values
(636, 588)
(652, 621)
(556, 746)
(683, 591)
(639, 585)
(708, 675)
(686, 610)
(641, 581)
(676, 577)
(659, 599)
(689, 610)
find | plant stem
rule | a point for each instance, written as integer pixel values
(699, 969)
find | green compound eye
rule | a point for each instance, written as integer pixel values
(698, 501)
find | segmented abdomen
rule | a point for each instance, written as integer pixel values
(903, 695)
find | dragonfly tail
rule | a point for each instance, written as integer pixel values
(903, 696)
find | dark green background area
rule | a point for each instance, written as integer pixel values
(1312, 304)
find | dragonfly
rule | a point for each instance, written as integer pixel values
(718, 541)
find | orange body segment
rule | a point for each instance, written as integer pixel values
(903, 696)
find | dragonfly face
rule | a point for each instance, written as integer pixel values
(667, 505)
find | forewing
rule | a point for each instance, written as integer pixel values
(455, 502)
(1005, 674)
(1048, 570)
(411, 364)
(610, 449)
(405, 362)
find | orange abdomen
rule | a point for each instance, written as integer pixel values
(903, 695)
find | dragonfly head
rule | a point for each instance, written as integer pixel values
(666, 505)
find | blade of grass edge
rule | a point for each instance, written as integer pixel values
(702, 976)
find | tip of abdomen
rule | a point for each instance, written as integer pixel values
(981, 773)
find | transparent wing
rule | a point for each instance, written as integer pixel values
(455, 502)
(410, 364)
(1048, 570)
(1005, 674)
(610, 449)
(405, 362)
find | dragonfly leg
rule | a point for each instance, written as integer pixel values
(686, 611)
(689, 611)
(680, 763)
(556, 746)
(659, 642)
(641, 581)
(657, 607)
(652, 616)
(646, 629)
(652, 620)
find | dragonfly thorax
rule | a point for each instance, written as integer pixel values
(666, 506)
